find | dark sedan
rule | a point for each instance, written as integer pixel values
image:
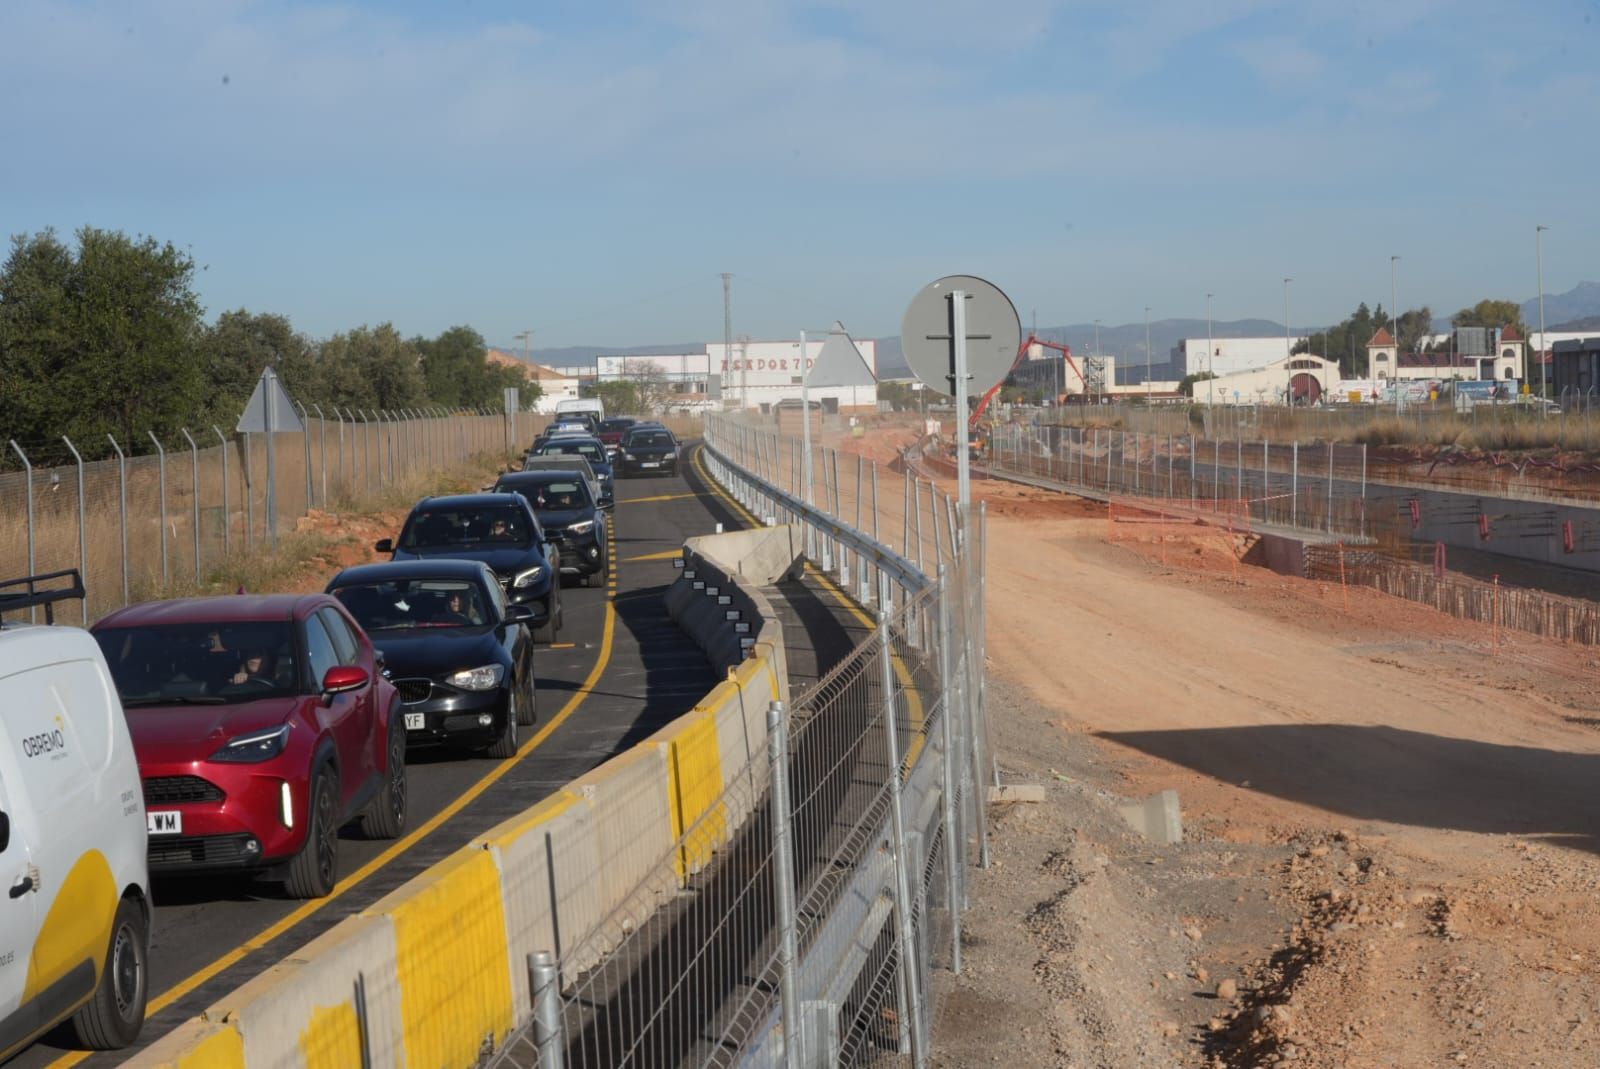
(589, 449)
(648, 451)
(501, 531)
(570, 517)
(459, 654)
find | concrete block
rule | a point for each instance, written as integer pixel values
(1157, 818)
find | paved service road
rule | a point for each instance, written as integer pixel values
(619, 671)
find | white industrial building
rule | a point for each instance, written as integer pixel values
(1231, 355)
(1310, 378)
(760, 374)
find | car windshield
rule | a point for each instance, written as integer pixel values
(650, 440)
(583, 449)
(486, 526)
(201, 664)
(404, 604)
(557, 496)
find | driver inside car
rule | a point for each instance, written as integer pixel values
(253, 669)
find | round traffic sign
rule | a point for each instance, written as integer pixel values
(993, 335)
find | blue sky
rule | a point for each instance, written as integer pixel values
(586, 169)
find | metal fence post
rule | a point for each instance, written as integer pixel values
(544, 984)
(227, 517)
(322, 422)
(954, 841)
(166, 569)
(194, 473)
(83, 530)
(33, 563)
(783, 883)
(1294, 486)
(122, 510)
(305, 430)
(910, 977)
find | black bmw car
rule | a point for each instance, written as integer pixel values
(459, 654)
(648, 451)
(589, 449)
(499, 530)
(571, 518)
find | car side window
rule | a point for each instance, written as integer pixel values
(320, 650)
(497, 598)
(344, 641)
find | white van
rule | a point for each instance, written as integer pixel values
(573, 406)
(75, 917)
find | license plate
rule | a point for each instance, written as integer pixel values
(416, 721)
(165, 822)
(650, 464)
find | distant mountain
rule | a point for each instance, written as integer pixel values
(1586, 323)
(1580, 302)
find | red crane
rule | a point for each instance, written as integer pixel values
(1022, 354)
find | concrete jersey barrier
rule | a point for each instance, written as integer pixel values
(434, 974)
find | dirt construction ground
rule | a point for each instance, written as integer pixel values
(1392, 818)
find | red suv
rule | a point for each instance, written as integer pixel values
(262, 724)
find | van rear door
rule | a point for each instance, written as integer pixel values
(19, 919)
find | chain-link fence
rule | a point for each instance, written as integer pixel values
(161, 515)
(808, 935)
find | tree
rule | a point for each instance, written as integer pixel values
(650, 385)
(371, 367)
(1492, 314)
(618, 396)
(239, 345)
(101, 339)
(1186, 384)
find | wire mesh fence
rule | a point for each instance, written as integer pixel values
(160, 515)
(807, 933)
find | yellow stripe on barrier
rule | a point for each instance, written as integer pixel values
(222, 1047)
(333, 1038)
(694, 773)
(450, 950)
(508, 832)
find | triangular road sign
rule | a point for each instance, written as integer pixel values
(269, 408)
(839, 363)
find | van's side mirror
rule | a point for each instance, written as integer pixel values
(384, 545)
(607, 506)
(5, 832)
(519, 614)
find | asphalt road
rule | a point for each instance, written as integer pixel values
(619, 671)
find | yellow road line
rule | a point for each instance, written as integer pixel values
(662, 497)
(400, 846)
(666, 554)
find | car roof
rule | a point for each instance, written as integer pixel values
(430, 568)
(485, 499)
(539, 476)
(218, 609)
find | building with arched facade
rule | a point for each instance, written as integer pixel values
(1503, 364)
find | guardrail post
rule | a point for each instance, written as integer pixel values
(83, 530)
(227, 517)
(783, 884)
(166, 572)
(546, 990)
(122, 510)
(911, 1021)
(194, 486)
(33, 562)
(954, 834)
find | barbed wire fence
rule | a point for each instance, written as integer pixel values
(163, 515)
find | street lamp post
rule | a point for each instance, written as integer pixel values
(1538, 244)
(1147, 354)
(1211, 348)
(1394, 328)
(1288, 348)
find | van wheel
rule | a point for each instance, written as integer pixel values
(112, 1019)
(315, 869)
(385, 817)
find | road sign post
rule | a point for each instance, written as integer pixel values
(269, 411)
(961, 336)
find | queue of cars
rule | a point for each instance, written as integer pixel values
(240, 733)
